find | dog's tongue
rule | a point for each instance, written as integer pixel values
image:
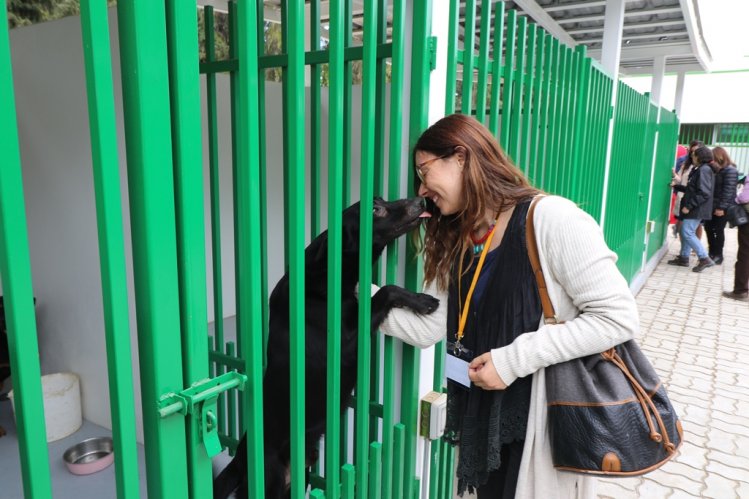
(426, 214)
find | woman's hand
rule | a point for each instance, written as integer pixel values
(719, 213)
(685, 211)
(482, 373)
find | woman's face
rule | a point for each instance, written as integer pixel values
(441, 180)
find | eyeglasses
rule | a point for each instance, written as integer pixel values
(420, 168)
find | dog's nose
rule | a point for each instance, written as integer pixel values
(423, 203)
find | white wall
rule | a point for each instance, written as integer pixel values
(707, 98)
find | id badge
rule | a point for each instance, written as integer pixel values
(456, 363)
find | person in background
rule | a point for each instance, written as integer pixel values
(681, 153)
(741, 270)
(496, 411)
(724, 192)
(696, 205)
(680, 176)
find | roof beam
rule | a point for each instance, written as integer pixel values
(575, 6)
(630, 13)
(642, 36)
(634, 53)
(656, 24)
(544, 20)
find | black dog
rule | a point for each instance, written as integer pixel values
(391, 220)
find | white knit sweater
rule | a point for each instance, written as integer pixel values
(588, 293)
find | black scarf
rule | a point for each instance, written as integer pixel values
(481, 421)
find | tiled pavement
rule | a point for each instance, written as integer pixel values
(699, 344)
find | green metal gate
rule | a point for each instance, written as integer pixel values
(549, 105)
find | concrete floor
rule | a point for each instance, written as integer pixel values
(65, 485)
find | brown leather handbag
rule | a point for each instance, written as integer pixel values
(608, 413)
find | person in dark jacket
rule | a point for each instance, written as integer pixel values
(696, 205)
(724, 192)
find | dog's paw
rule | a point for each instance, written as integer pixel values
(424, 303)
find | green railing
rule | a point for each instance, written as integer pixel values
(733, 137)
(549, 105)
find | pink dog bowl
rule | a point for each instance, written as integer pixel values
(89, 456)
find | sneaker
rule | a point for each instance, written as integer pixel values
(736, 296)
(703, 264)
(717, 259)
(680, 261)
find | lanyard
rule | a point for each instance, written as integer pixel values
(464, 313)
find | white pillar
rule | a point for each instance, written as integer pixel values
(659, 69)
(613, 24)
(679, 92)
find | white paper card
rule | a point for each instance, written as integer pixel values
(457, 370)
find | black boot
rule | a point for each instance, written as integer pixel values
(704, 263)
(680, 261)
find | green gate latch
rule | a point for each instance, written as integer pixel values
(200, 400)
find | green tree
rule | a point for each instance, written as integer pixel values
(26, 12)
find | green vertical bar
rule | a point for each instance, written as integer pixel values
(143, 50)
(509, 77)
(215, 203)
(553, 103)
(375, 470)
(582, 116)
(15, 269)
(103, 128)
(365, 248)
(513, 148)
(486, 14)
(248, 257)
(436, 469)
(469, 36)
(452, 57)
(529, 91)
(394, 192)
(347, 103)
(335, 207)
(232, 401)
(184, 85)
(262, 176)
(499, 20)
(348, 481)
(294, 151)
(536, 115)
(399, 451)
(315, 121)
(378, 190)
(418, 117)
(543, 144)
(213, 168)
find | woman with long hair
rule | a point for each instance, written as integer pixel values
(696, 206)
(724, 192)
(476, 263)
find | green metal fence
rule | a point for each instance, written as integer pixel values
(733, 137)
(549, 105)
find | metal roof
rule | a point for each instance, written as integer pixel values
(671, 28)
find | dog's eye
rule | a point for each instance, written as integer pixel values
(379, 211)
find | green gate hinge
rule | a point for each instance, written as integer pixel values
(432, 41)
(200, 399)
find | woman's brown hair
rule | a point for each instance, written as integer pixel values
(721, 157)
(490, 182)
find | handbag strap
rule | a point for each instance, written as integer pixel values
(550, 316)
